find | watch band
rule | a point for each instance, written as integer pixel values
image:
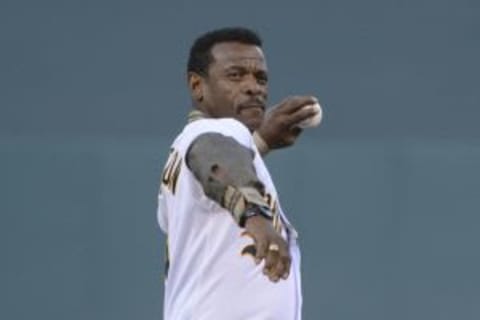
(253, 211)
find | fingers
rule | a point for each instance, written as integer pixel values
(300, 115)
(291, 111)
(287, 262)
(292, 104)
(277, 261)
(262, 248)
(270, 248)
(270, 263)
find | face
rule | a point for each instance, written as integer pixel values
(236, 84)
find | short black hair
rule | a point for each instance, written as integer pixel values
(200, 53)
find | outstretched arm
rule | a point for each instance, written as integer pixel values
(225, 170)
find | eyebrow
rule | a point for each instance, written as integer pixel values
(244, 68)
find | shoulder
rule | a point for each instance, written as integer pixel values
(221, 125)
(227, 126)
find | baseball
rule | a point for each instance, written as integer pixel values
(314, 120)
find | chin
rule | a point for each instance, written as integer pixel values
(252, 124)
(251, 118)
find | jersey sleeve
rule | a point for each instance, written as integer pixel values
(225, 126)
(177, 180)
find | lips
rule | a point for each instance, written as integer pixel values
(251, 104)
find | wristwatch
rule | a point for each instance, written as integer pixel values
(255, 210)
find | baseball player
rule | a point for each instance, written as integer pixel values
(232, 253)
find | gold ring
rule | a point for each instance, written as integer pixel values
(273, 247)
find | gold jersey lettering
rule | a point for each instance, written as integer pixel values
(172, 171)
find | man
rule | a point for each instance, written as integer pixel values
(232, 254)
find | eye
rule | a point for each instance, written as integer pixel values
(234, 75)
(262, 78)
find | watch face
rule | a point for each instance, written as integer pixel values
(254, 211)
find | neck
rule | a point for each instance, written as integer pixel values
(196, 115)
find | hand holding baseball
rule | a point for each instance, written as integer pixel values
(283, 122)
(314, 120)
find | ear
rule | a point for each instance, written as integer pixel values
(196, 85)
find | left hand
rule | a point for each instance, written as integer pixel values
(278, 128)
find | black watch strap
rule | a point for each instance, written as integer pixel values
(255, 210)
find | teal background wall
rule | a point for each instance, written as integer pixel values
(385, 194)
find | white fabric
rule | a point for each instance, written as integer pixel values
(208, 278)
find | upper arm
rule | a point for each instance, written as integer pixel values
(218, 161)
(210, 152)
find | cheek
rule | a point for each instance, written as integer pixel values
(221, 99)
(224, 88)
(226, 93)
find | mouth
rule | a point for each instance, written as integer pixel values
(251, 105)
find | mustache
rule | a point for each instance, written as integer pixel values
(255, 102)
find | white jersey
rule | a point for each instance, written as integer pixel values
(211, 275)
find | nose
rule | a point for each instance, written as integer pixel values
(253, 88)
